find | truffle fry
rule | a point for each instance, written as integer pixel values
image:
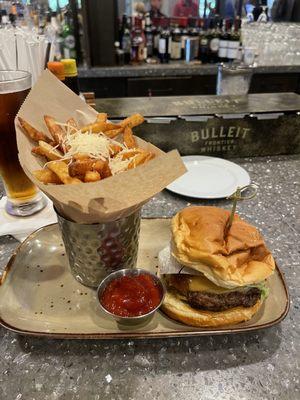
(132, 121)
(61, 170)
(31, 132)
(128, 138)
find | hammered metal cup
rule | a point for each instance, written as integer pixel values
(96, 250)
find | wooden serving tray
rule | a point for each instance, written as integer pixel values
(40, 297)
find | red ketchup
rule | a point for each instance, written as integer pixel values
(131, 296)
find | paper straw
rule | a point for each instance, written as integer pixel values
(52, 52)
(33, 57)
(8, 48)
(3, 59)
(22, 48)
(47, 55)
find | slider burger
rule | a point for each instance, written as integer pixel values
(226, 283)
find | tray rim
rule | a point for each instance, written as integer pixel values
(135, 335)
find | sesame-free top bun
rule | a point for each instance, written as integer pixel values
(181, 311)
(240, 259)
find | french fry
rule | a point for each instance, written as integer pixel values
(114, 149)
(133, 120)
(96, 127)
(139, 160)
(128, 138)
(80, 167)
(150, 156)
(31, 132)
(81, 156)
(92, 176)
(62, 171)
(72, 123)
(37, 150)
(46, 176)
(113, 133)
(56, 130)
(131, 153)
(106, 172)
(101, 117)
(110, 126)
(46, 150)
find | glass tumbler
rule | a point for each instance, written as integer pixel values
(23, 198)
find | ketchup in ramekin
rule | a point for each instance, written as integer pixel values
(131, 296)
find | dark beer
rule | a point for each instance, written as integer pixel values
(18, 186)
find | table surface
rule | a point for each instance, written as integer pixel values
(257, 366)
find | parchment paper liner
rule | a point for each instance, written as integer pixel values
(106, 200)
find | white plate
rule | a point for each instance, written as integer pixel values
(209, 178)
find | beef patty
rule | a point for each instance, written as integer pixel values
(224, 301)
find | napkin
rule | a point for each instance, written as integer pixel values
(21, 227)
(169, 265)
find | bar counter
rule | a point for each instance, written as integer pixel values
(172, 69)
(179, 78)
(261, 365)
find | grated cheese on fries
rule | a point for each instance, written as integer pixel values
(95, 145)
(87, 154)
(117, 164)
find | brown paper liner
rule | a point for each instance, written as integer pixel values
(106, 200)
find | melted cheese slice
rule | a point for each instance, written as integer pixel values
(202, 284)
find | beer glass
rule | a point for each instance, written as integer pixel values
(23, 198)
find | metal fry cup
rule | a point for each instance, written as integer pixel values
(96, 250)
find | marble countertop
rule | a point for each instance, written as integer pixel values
(262, 365)
(171, 69)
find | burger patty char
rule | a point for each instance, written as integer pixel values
(224, 301)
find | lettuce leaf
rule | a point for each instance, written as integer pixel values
(263, 288)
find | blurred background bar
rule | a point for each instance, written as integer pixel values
(131, 48)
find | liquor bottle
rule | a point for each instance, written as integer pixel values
(184, 36)
(13, 15)
(194, 35)
(120, 59)
(4, 19)
(163, 47)
(223, 43)
(123, 26)
(126, 45)
(54, 33)
(234, 41)
(201, 34)
(138, 42)
(149, 36)
(176, 44)
(68, 37)
(156, 35)
(214, 42)
(263, 17)
(71, 74)
(204, 44)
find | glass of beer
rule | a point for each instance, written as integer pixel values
(23, 198)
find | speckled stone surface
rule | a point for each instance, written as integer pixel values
(263, 365)
(171, 69)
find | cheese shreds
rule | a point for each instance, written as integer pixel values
(118, 165)
(95, 145)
